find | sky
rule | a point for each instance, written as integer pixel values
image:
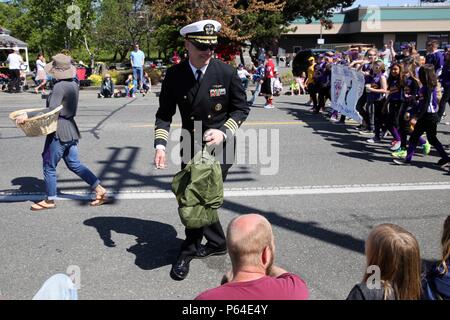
(373, 2)
(385, 2)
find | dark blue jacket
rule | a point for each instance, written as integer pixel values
(436, 286)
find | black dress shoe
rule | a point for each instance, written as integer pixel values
(443, 162)
(180, 269)
(206, 251)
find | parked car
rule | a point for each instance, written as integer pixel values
(300, 63)
(120, 66)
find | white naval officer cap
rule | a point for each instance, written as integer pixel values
(202, 32)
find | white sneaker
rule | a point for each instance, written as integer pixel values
(269, 106)
(396, 146)
(373, 140)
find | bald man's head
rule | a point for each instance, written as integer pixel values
(247, 237)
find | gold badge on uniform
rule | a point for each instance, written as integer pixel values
(218, 107)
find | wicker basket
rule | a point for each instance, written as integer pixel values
(39, 125)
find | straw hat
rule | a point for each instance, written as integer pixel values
(61, 67)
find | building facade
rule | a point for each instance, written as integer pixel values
(373, 25)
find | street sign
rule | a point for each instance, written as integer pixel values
(320, 41)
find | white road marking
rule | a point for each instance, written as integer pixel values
(244, 192)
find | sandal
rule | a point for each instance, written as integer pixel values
(99, 200)
(43, 205)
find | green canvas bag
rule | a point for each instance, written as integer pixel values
(199, 191)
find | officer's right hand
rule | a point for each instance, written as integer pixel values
(160, 159)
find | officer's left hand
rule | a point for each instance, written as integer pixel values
(213, 137)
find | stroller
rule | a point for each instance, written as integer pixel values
(4, 81)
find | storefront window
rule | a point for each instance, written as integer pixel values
(442, 38)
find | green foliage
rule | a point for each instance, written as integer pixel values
(287, 77)
(155, 75)
(309, 9)
(166, 38)
(109, 28)
(120, 26)
(44, 24)
(267, 26)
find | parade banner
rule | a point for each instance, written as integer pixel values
(347, 85)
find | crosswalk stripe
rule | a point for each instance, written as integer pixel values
(245, 191)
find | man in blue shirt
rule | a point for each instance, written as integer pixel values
(137, 63)
(434, 56)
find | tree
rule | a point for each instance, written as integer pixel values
(121, 24)
(241, 21)
(309, 9)
(44, 25)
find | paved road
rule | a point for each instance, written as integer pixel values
(329, 190)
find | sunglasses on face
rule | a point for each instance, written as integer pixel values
(204, 47)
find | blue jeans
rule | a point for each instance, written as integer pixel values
(54, 150)
(256, 93)
(128, 92)
(138, 74)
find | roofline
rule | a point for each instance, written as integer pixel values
(434, 6)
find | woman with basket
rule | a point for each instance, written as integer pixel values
(62, 144)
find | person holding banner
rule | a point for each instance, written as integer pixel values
(376, 99)
(324, 81)
(365, 66)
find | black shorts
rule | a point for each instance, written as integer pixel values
(266, 87)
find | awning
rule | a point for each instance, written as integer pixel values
(8, 42)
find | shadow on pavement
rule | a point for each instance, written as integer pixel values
(156, 245)
(354, 144)
(310, 229)
(27, 185)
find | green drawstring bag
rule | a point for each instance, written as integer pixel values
(199, 191)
